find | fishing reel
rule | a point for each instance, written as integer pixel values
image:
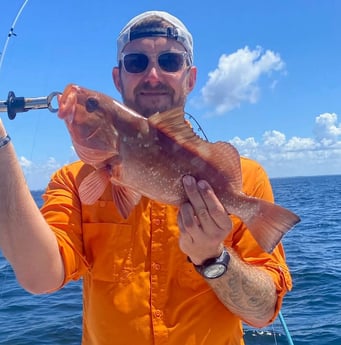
(14, 104)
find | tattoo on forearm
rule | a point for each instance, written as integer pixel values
(245, 290)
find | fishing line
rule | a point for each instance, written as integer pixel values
(200, 129)
(16, 101)
(274, 334)
(11, 33)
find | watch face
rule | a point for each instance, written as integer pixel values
(214, 271)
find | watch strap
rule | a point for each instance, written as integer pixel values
(223, 259)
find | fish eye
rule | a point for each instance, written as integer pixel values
(91, 104)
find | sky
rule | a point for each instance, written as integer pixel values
(269, 75)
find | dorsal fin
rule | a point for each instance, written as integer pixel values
(222, 155)
(173, 124)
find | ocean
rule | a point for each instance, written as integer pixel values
(312, 310)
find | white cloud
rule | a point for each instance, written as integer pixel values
(274, 139)
(25, 163)
(38, 174)
(301, 144)
(327, 130)
(297, 156)
(237, 77)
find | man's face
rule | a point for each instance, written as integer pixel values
(154, 89)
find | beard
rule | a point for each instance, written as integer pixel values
(148, 100)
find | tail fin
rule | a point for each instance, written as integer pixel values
(270, 223)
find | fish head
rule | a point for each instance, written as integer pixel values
(89, 117)
(85, 112)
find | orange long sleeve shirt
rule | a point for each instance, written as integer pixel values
(138, 287)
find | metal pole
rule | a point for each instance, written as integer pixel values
(286, 330)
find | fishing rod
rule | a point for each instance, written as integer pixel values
(11, 33)
(13, 104)
(285, 327)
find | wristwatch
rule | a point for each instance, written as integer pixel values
(214, 267)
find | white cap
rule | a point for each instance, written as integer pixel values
(177, 31)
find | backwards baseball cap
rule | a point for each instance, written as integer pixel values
(177, 31)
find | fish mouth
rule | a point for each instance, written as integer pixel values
(66, 106)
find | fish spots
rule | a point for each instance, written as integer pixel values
(91, 104)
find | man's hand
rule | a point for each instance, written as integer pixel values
(203, 222)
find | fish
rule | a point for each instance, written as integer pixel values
(148, 157)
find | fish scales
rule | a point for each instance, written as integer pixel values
(149, 157)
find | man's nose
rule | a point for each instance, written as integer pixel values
(153, 74)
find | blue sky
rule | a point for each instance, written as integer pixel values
(269, 75)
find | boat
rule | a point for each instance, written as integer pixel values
(270, 334)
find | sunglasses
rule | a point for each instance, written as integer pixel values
(168, 61)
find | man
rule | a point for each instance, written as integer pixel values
(165, 275)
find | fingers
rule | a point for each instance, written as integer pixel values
(188, 217)
(206, 205)
(204, 223)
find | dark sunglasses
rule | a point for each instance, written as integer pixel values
(168, 61)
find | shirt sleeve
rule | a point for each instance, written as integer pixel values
(62, 210)
(257, 184)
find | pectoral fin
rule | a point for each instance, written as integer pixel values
(93, 186)
(125, 199)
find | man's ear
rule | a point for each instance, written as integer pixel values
(192, 78)
(116, 78)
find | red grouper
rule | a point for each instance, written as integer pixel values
(149, 156)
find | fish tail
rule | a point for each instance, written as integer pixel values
(270, 223)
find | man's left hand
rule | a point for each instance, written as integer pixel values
(203, 221)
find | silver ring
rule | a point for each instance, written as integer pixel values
(49, 101)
